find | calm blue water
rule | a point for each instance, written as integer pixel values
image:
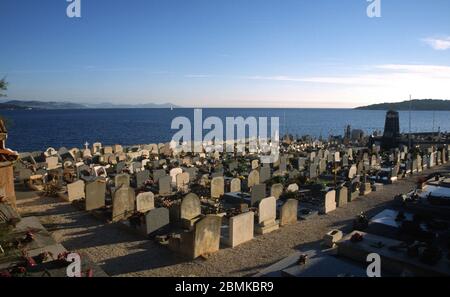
(31, 130)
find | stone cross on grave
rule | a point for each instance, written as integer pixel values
(86, 145)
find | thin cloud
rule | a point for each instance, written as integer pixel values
(380, 75)
(439, 44)
(198, 75)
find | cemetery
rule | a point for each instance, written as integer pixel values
(195, 205)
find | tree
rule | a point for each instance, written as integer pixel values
(3, 86)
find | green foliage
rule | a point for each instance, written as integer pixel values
(3, 86)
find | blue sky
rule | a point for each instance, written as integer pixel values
(230, 53)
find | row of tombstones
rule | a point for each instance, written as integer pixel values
(206, 232)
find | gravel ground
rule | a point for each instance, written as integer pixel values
(120, 252)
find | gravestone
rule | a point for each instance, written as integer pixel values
(264, 173)
(288, 213)
(276, 190)
(83, 170)
(395, 170)
(253, 178)
(329, 157)
(165, 187)
(207, 235)
(62, 151)
(419, 163)
(182, 180)
(352, 171)
(96, 147)
(75, 191)
(145, 202)
(111, 159)
(329, 201)
(312, 170)
(52, 162)
(345, 161)
(293, 174)
(292, 188)
(190, 207)
(144, 163)
(235, 185)
(157, 174)
(174, 172)
(122, 181)
(424, 161)
(142, 177)
(120, 166)
(204, 180)
(117, 148)
(123, 204)
(192, 171)
(156, 219)
(283, 164)
(341, 196)
(121, 157)
(136, 166)
(50, 152)
(186, 161)
(241, 228)
(217, 187)
(153, 148)
(337, 157)
(107, 150)
(360, 168)
(267, 216)
(258, 193)
(366, 188)
(301, 163)
(95, 194)
(255, 164)
(322, 165)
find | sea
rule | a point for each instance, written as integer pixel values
(34, 130)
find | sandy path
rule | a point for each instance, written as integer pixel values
(123, 253)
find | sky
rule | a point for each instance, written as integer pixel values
(226, 53)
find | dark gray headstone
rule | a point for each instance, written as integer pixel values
(157, 174)
(192, 172)
(120, 166)
(264, 173)
(258, 193)
(142, 177)
(156, 219)
(283, 164)
(164, 185)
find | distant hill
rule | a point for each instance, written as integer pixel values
(145, 105)
(11, 106)
(22, 104)
(417, 104)
(44, 105)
